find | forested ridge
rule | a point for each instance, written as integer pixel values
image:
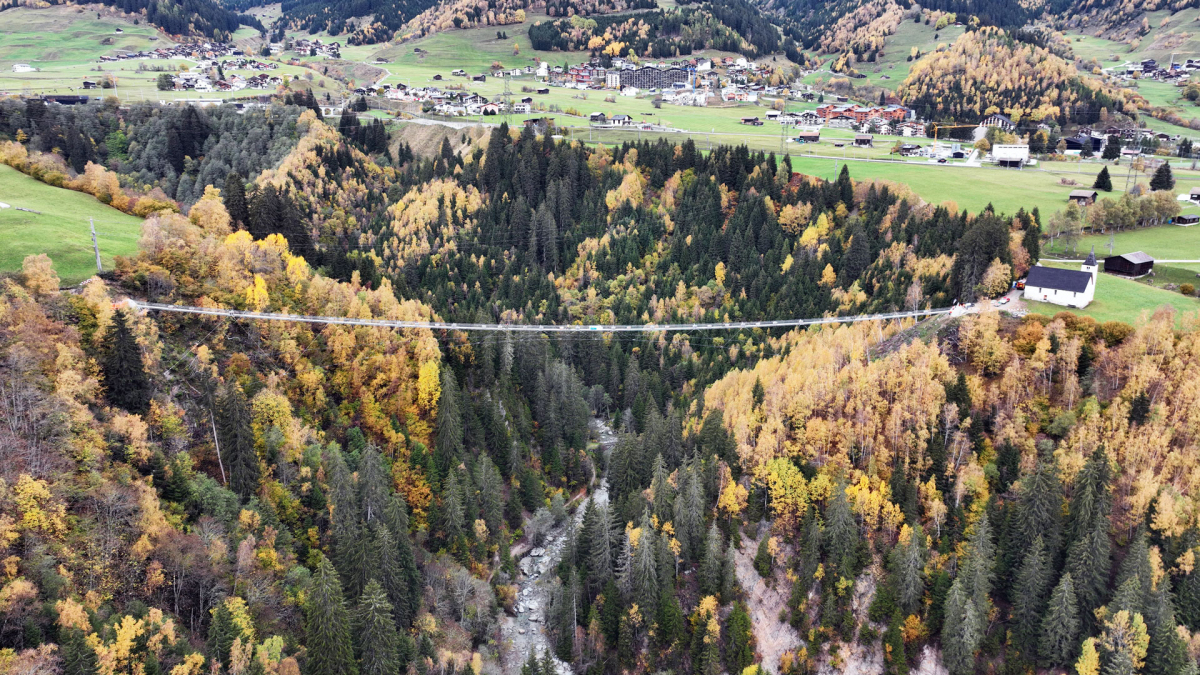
(192, 495)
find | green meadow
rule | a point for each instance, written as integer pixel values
(60, 229)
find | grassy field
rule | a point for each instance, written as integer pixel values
(1168, 242)
(894, 63)
(61, 229)
(1125, 300)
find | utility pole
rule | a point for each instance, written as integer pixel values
(95, 245)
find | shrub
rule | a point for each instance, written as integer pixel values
(1187, 289)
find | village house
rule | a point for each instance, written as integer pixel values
(1082, 197)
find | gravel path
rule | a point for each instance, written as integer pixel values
(525, 633)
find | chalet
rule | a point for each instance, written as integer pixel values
(620, 120)
(22, 68)
(1078, 141)
(1194, 195)
(1187, 219)
(864, 140)
(999, 120)
(479, 78)
(521, 108)
(752, 121)
(1082, 197)
(597, 118)
(543, 90)
(526, 99)
(813, 136)
(909, 150)
(1070, 288)
(88, 84)
(1136, 264)
(437, 77)
(809, 118)
(459, 72)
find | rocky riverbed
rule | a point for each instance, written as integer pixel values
(525, 633)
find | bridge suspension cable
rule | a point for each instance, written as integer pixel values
(532, 328)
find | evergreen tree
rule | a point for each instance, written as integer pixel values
(376, 636)
(1112, 149)
(1029, 598)
(977, 572)
(660, 487)
(1089, 562)
(710, 566)
(739, 650)
(221, 634)
(1163, 179)
(841, 535)
(1060, 628)
(327, 625)
(236, 435)
(234, 197)
(1103, 181)
(962, 630)
(762, 559)
(1039, 513)
(374, 485)
(449, 425)
(893, 645)
(78, 658)
(1167, 653)
(125, 379)
(645, 568)
(1091, 499)
(908, 564)
(391, 574)
(689, 513)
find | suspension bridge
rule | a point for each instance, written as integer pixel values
(536, 328)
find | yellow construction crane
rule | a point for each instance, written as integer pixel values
(937, 126)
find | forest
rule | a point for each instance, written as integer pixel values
(189, 18)
(988, 70)
(189, 495)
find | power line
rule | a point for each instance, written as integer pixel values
(534, 328)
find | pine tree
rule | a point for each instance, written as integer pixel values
(396, 517)
(841, 535)
(125, 379)
(962, 630)
(390, 573)
(710, 566)
(978, 569)
(689, 513)
(374, 485)
(660, 487)
(449, 425)
(1112, 149)
(909, 569)
(237, 441)
(1060, 628)
(1039, 513)
(1029, 598)
(1091, 499)
(893, 645)
(1163, 179)
(221, 634)
(78, 658)
(453, 510)
(600, 553)
(327, 625)
(1103, 181)
(645, 568)
(234, 197)
(377, 639)
(1167, 653)
(1089, 562)
(739, 650)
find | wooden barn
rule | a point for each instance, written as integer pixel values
(1136, 264)
(1187, 219)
